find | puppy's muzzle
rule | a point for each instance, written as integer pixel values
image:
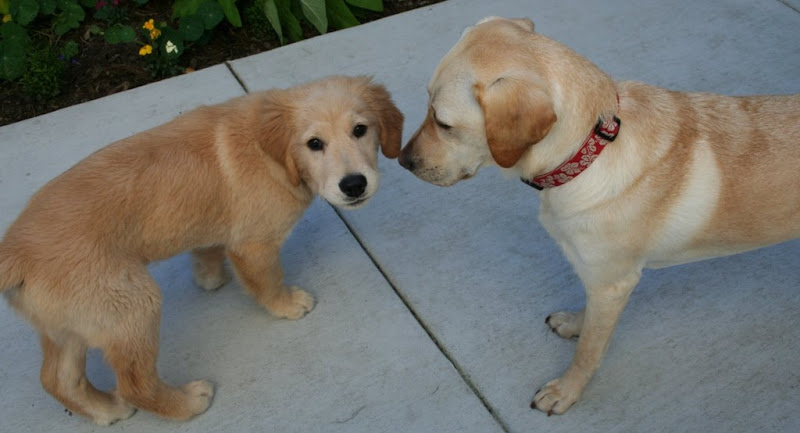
(353, 185)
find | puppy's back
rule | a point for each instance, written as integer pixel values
(158, 184)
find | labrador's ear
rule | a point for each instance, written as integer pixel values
(389, 117)
(278, 132)
(517, 114)
(525, 23)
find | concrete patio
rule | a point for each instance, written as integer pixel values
(431, 301)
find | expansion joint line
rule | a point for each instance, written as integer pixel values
(424, 325)
(238, 79)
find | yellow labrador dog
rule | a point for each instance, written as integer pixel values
(631, 175)
(230, 179)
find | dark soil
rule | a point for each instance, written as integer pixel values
(102, 69)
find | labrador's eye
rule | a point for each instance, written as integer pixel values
(440, 124)
(315, 144)
(359, 130)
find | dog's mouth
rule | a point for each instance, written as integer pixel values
(355, 203)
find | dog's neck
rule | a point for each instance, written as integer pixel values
(581, 96)
(605, 131)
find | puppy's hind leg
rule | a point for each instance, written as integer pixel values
(63, 375)
(209, 267)
(131, 347)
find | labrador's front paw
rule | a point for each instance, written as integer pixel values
(566, 324)
(556, 397)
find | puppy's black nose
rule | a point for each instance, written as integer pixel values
(353, 185)
(407, 162)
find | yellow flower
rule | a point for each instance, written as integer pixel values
(149, 25)
(6, 18)
(154, 34)
(145, 50)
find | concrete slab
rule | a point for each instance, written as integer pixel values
(708, 346)
(358, 363)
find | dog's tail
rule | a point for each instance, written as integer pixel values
(10, 269)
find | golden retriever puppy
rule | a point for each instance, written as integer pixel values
(681, 176)
(230, 179)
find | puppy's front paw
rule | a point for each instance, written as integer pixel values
(198, 396)
(556, 397)
(566, 324)
(292, 304)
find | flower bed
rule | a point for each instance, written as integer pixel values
(57, 53)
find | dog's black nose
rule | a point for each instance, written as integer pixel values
(407, 162)
(353, 185)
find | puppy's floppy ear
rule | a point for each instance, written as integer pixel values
(278, 132)
(389, 117)
(517, 114)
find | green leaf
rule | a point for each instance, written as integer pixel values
(211, 14)
(140, 2)
(231, 12)
(339, 15)
(182, 8)
(47, 7)
(24, 11)
(314, 11)
(92, 30)
(289, 20)
(373, 5)
(70, 18)
(63, 5)
(88, 3)
(70, 50)
(171, 43)
(191, 28)
(12, 60)
(119, 34)
(271, 12)
(15, 34)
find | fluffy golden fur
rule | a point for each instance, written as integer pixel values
(690, 175)
(230, 179)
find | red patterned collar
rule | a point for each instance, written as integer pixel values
(604, 132)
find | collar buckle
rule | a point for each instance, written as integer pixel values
(608, 130)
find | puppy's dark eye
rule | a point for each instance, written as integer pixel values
(315, 144)
(359, 130)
